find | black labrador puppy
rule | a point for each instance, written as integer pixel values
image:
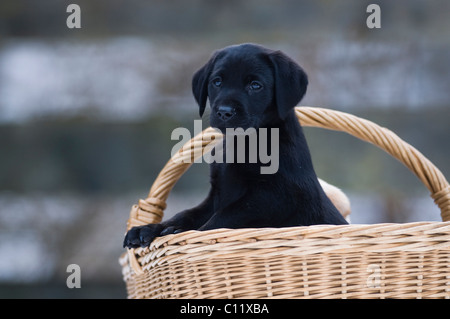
(250, 86)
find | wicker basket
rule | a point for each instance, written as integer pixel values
(410, 260)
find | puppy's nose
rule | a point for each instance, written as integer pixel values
(226, 112)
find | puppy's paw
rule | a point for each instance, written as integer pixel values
(171, 230)
(142, 236)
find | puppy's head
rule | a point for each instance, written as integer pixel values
(248, 86)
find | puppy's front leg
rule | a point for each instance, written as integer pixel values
(241, 214)
(142, 236)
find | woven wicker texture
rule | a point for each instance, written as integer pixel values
(324, 261)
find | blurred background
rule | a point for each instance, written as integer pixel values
(86, 116)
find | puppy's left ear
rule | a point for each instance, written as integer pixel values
(290, 82)
(200, 84)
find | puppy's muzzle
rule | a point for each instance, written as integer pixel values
(225, 112)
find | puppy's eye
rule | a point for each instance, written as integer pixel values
(217, 82)
(255, 85)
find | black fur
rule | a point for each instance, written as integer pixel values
(240, 196)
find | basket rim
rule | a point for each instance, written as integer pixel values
(298, 241)
(224, 235)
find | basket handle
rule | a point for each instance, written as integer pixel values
(151, 209)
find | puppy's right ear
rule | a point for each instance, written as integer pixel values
(290, 82)
(200, 83)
